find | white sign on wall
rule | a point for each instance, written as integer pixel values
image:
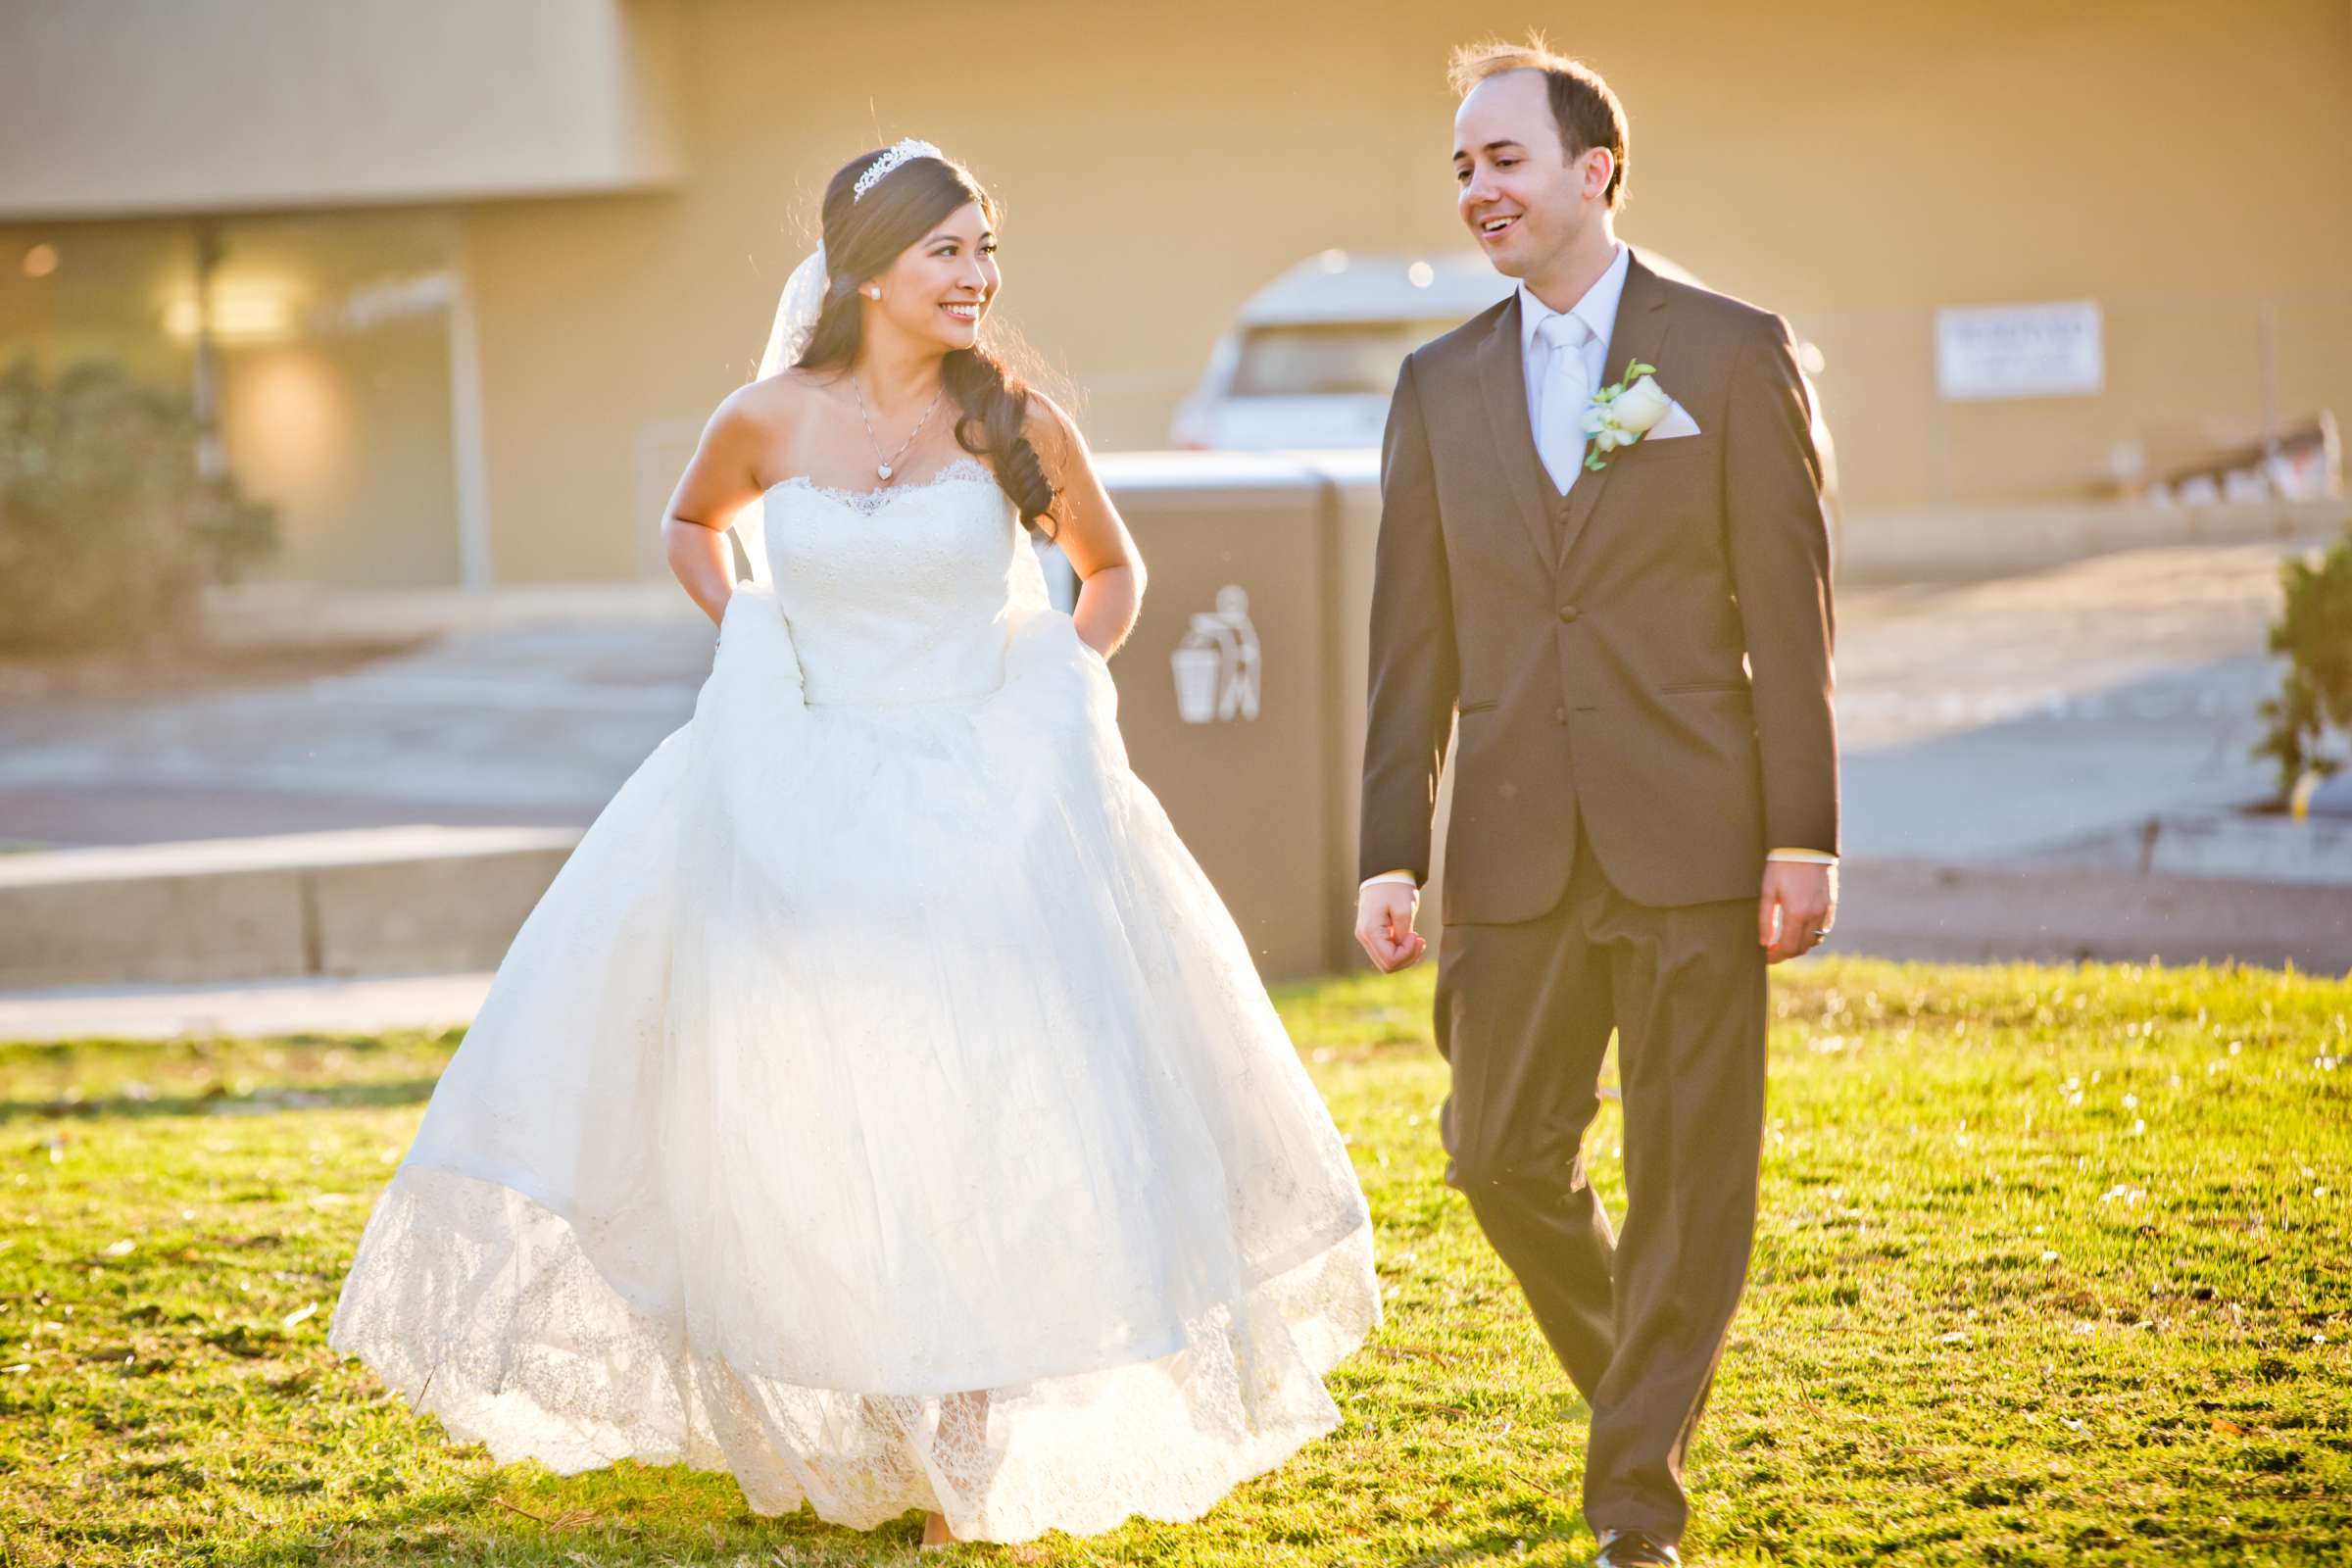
(2018, 351)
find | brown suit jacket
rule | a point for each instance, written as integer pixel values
(1653, 649)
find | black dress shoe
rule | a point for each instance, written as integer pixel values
(1631, 1549)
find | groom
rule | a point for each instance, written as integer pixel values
(1636, 638)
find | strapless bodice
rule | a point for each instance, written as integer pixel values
(909, 594)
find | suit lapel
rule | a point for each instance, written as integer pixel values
(1639, 333)
(1502, 385)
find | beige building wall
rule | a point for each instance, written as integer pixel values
(626, 184)
(324, 148)
(144, 106)
(1854, 165)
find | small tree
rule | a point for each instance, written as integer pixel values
(2315, 634)
(107, 530)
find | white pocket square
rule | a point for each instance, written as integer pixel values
(1677, 421)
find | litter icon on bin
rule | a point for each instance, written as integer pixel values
(1216, 666)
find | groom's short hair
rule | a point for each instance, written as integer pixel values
(1587, 113)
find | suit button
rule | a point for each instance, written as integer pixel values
(1568, 612)
(1559, 715)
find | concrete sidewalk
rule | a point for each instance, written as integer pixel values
(1983, 720)
(1998, 721)
(528, 709)
(2000, 739)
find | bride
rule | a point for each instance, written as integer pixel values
(880, 1105)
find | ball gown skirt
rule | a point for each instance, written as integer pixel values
(880, 1105)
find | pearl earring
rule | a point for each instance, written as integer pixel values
(874, 293)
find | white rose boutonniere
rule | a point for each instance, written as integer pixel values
(1622, 414)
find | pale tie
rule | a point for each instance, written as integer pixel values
(1567, 392)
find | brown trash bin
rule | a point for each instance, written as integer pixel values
(1232, 691)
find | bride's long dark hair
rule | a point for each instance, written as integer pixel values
(863, 235)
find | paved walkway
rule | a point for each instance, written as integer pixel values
(1985, 726)
(1979, 722)
(529, 710)
(1987, 721)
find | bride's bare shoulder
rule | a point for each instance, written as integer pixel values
(758, 424)
(783, 399)
(1051, 430)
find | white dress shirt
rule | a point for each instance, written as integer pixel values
(1597, 312)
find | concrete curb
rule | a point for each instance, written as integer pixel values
(362, 902)
(2052, 913)
(224, 914)
(2226, 844)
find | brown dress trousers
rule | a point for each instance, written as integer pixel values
(1525, 1010)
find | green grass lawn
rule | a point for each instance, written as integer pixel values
(2053, 1268)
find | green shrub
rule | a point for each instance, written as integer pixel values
(106, 531)
(2315, 634)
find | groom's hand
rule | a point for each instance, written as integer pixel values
(1798, 907)
(1384, 925)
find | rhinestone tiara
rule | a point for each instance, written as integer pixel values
(899, 153)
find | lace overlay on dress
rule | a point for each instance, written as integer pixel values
(530, 1351)
(868, 502)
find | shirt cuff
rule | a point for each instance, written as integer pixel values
(1809, 856)
(1406, 877)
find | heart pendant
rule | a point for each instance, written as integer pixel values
(883, 471)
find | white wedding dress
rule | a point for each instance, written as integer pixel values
(880, 1105)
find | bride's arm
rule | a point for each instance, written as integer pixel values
(1090, 530)
(720, 480)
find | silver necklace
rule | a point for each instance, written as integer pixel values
(886, 466)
